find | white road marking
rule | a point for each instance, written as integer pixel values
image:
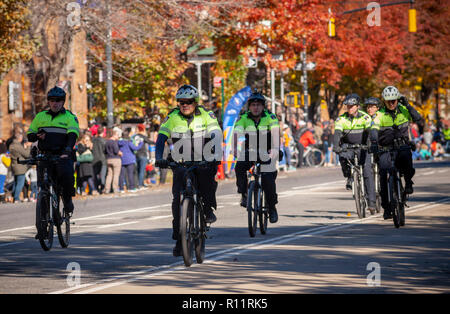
(216, 256)
(118, 225)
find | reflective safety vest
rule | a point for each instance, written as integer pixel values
(354, 129)
(193, 131)
(56, 126)
(392, 125)
(262, 130)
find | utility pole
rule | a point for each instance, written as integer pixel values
(305, 80)
(272, 90)
(109, 86)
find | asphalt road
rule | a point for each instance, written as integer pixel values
(123, 244)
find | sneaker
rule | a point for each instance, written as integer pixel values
(349, 183)
(210, 217)
(177, 250)
(291, 168)
(273, 215)
(409, 187)
(244, 200)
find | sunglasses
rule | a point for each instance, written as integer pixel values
(186, 102)
(55, 99)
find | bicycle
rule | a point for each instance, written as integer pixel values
(376, 178)
(193, 226)
(255, 197)
(397, 196)
(49, 213)
(312, 156)
(357, 175)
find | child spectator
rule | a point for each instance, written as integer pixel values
(31, 177)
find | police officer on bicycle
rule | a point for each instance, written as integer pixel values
(353, 128)
(371, 106)
(262, 137)
(190, 128)
(56, 131)
(390, 126)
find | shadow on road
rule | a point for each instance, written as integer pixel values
(416, 255)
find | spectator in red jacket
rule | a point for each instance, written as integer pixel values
(306, 139)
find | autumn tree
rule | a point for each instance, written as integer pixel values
(15, 43)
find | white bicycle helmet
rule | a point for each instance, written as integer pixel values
(187, 92)
(390, 93)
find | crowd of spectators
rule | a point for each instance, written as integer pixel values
(121, 159)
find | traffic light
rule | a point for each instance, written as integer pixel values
(331, 28)
(303, 100)
(291, 99)
(412, 21)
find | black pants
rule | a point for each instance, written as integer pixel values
(403, 162)
(301, 150)
(207, 186)
(267, 181)
(64, 172)
(364, 160)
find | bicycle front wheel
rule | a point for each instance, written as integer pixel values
(252, 204)
(44, 224)
(62, 221)
(201, 237)
(358, 195)
(263, 214)
(187, 229)
(315, 158)
(395, 201)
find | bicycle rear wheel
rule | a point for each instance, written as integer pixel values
(315, 158)
(252, 201)
(358, 195)
(201, 238)
(44, 223)
(186, 230)
(62, 221)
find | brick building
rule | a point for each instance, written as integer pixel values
(21, 96)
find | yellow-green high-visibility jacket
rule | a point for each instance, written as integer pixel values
(196, 129)
(352, 130)
(262, 130)
(57, 126)
(391, 125)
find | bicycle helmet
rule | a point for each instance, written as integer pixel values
(372, 101)
(187, 92)
(256, 96)
(56, 93)
(352, 99)
(390, 93)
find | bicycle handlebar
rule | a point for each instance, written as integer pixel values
(354, 146)
(40, 157)
(190, 164)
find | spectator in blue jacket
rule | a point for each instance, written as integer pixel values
(127, 148)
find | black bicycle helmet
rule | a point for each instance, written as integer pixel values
(352, 99)
(256, 96)
(372, 101)
(56, 93)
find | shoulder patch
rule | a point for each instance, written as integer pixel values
(338, 119)
(165, 119)
(212, 115)
(273, 116)
(76, 119)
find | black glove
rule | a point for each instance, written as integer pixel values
(373, 149)
(337, 149)
(67, 151)
(403, 101)
(162, 163)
